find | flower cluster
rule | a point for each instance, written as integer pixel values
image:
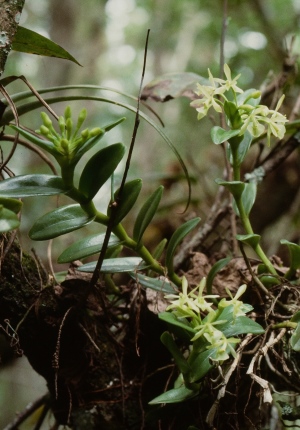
(257, 119)
(68, 140)
(204, 319)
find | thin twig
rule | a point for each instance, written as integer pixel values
(16, 116)
(114, 205)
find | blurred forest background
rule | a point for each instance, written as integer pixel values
(107, 37)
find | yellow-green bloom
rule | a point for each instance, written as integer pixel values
(182, 303)
(260, 119)
(239, 308)
(229, 83)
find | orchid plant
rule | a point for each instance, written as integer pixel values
(209, 325)
(210, 330)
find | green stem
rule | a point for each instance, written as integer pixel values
(243, 215)
(119, 231)
(285, 324)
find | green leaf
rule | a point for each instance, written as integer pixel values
(130, 193)
(99, 169)
(173, 85)
(59, 221)
(240, 325)
(295, 338)
(176, 395)
(31, 42)
(167, 339)
(170, 318)
(154, 283)
(249, 239)
(233, 114)
(213, 271)
(243, 147)
(243, 96)
(248, 198)
(32, 185)
(294, 251)
(116, 265)
(296, 317)
(8, 220)
(176, 238)
(202, 364)
(236, 188)
(11, 204)
(86, 247)
(146, 214)
(157, 253)
(40, 142)
(219, 135)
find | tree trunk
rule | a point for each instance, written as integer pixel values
(10, 13)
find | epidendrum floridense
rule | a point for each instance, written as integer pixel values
(209, 325)
(203, 328)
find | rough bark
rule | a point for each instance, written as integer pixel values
(96, 377)
(10, 13)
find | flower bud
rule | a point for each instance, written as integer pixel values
(64, 143)
(68, 112)
(62, 124)
(46, 120)
(81, 117)
(85, 133)
(69, 127)
(44, 130)
(96, 131)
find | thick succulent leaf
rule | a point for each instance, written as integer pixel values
(295, 338)
(213, 272)
(157, 253)
(249, 239)
(244, 147)
(170, 318)
(173, 85)
(249, 197)
(32, 185)
(130, 193)
(8, 220)
(59, 221)
(86, 247)
(31, 42)
(13, 205)
(219, 135)
(155, 284)
(202, 364)
(240, 325)
(236, 188)
(42, 143)
(176, 395)
(146, 214)
(294, 251)
(169, 342)
(115, 265)
(232, 114)
(176, 238)
(252, 101)
(99, 169)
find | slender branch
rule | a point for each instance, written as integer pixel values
(114, 205)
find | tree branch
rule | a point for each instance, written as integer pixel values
(10, 13)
